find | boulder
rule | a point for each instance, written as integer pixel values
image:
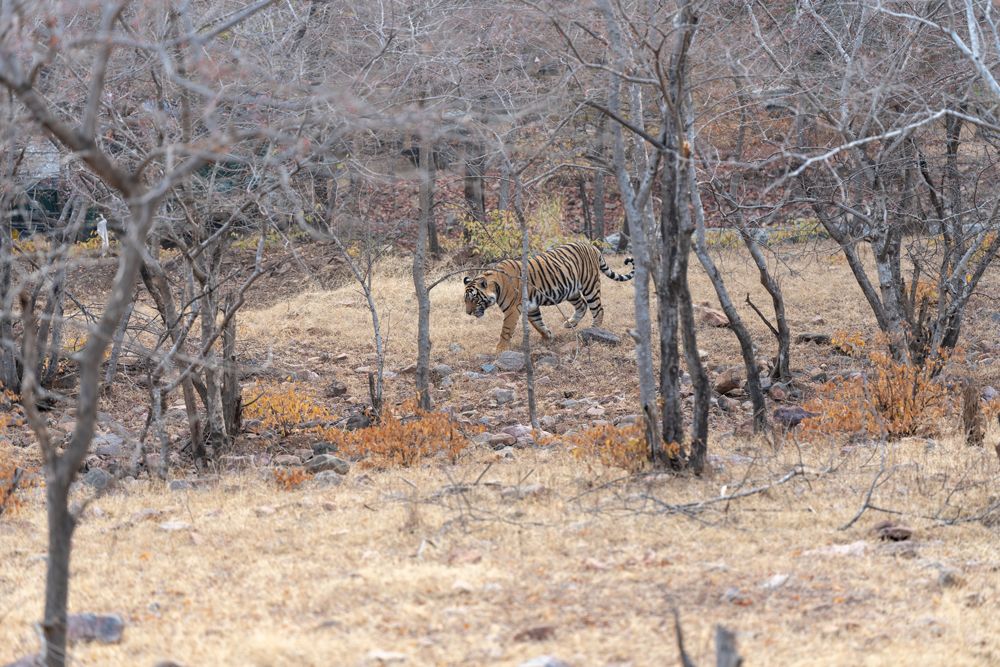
(98, 478)
(729, 380)
(599, 335)
(324, 462)
(510, 360)
(100, 628)
(503, 396)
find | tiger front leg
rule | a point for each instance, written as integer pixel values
(535, 317)
(580, 309)
(509, 322)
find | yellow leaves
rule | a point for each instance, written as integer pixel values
(403, 442)
(284, 408)
(614, 446)
(850, 343)
(500, 236)
(290, 479)
(903, 399)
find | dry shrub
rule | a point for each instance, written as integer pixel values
(499, 237)
(903, 399)
(291, 478)
(851, 343)
(613, 446)
(402, 441)
(285, 408)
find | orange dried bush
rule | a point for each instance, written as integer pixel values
(851, 343)
(613, 446)
(284, 408)
(403, 441)
(900, 398)
(290, 479)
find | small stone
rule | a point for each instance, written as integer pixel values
(481, 438)
(712, 317)
(599, 335)
(727, 404)
(98, 478)
(729, 380)
(989, 394)
(324, 462)
(737, 597)
(566, 403)
(455, 348)
(385, 658)
(108, 445)
(890, 532)
(523, 491)
(775, 582)
(544, 661)
(175, 526)
(595, 411)
(328, 478)
(264, 510)
(322, 448)
(547, 360)
(180, 485)
(815, 338)
(510, 360)
(517, 430)
(949, 578)
(389, 375)
(100, 628)
(472, 375)
(853, 549)
(440, 372)
(489, 368)
(501, 440)
(777, 392)
(540, 633)
(343, 356)
(335, 389)
(287, 460)
(235, 462)
(503, 396)
(303, 453)
(363, 370)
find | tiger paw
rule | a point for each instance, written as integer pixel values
(570, 324)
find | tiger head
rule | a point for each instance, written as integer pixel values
(480, 293)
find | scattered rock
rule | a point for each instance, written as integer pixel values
(327, 478)
(544, 661)
(440, 372)
(501, 440)
(949, 578)
(389, 375)
(27, 661)
(727, 404)
(323, 448)
(455, 348)
(324, 462)
(304, 454)
(547, 360)
(385, 658)
(108, 445)
(100, 628)
(890, 532)
(989, 394)
(517, 430)
(737, 597)
(503, 396)
(364, 370)
(472, 375)
(729, 380)
(775, 582)
(465, 557)
(567, 403)
(540, 633)
(626, 420)
(510, 360)
(408, 370)
(175, 526)
(98, 478)
(599, 335)
(358, 420)
(264, 510)
(235, 462)
(813, 337)
(777, 392)
(595, 411)
(712, 317)
(335, 389)
(791, 416)
(286, 460)
(488, 368)
(481, 438)
(853, 549)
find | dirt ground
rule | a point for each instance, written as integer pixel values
(501, 558)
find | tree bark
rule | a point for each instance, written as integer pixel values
(420, 285)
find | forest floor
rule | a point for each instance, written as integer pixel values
(508, 555)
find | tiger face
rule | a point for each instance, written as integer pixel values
(480, 294)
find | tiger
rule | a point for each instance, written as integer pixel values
(566, 272)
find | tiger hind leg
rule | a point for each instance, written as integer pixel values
(596, 309)
(580, 304)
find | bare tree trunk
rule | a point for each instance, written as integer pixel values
(473, 181)
(529, 364)
(588, 228)
(782, 368)
(117, 343)
(427, 173)
(735, 321)
(420, 285)
(232, 394)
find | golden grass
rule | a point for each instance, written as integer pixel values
(391, 561)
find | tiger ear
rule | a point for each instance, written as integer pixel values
(468, 280)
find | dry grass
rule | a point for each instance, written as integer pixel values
(394, 561)
(390, 562)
